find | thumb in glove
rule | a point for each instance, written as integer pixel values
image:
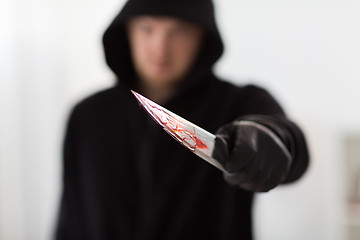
(253, 156)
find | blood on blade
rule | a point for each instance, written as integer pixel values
(172, 125)
(176, 127)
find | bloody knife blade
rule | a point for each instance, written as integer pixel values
(196, 139)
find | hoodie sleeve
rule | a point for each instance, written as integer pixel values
(70, 215)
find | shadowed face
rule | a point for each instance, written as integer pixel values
(163, 49)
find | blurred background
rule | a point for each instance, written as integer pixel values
(305, 52)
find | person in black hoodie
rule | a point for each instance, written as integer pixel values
(125, 178)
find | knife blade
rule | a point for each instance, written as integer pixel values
(194, 138)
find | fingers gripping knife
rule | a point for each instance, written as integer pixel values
(196, 139)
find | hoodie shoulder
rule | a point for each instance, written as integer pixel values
(251, 99)
(97, 98)
(104, 101)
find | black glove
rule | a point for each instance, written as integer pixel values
(255, 158)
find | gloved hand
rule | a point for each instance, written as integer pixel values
(255, 158)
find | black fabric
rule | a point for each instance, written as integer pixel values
(125, 178)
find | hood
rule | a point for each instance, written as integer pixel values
(200, 12)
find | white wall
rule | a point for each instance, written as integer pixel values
(50, 57)
(307, 53)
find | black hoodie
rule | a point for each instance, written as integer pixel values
(125, 178)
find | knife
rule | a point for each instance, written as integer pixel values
(194, 138)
